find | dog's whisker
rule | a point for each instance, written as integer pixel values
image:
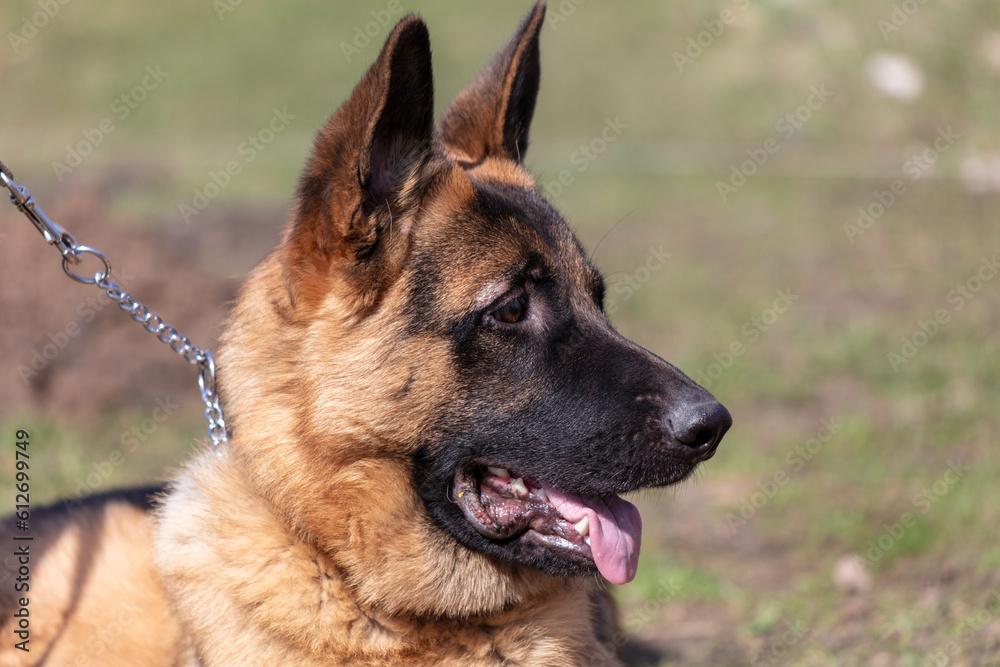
(593, 252)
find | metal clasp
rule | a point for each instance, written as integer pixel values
(53, 233)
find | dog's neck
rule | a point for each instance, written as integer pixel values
(237, 574)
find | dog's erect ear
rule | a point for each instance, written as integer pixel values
(366, 169)
(491, 117)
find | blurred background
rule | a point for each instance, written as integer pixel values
(796, 202)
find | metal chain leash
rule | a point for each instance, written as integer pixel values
(72, 254)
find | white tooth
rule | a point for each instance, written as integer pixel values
(499, 472)
(583, 526)
(540, 492)
(587, 540)
(519, 487)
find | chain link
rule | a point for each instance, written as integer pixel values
(73, 254)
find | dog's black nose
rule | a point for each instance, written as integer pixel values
(699, 426)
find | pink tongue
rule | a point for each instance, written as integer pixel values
(615, 530)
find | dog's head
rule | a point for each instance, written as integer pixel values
(424, 368)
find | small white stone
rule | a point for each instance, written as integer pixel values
(849, 574)
(895, 75)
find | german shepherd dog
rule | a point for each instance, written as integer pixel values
(432, 419)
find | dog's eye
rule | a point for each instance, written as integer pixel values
(513, 311)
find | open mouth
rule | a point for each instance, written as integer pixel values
(603, 530)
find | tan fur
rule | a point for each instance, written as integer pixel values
(94, 597)
(305, 542)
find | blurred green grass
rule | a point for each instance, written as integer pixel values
(655, 186)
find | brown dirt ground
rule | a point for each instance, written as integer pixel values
(111, 362)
